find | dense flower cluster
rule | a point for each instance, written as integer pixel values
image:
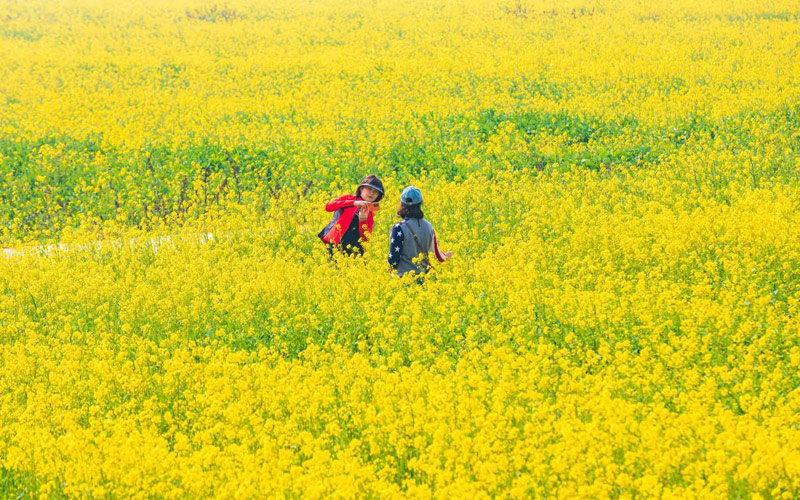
(619, 183)
(127, 111)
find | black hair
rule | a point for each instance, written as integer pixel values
(410, 211)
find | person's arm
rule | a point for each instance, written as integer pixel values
(440, 256)
(395, 245)
(345, 201)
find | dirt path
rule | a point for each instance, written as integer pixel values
(59, 248)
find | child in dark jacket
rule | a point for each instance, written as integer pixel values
(353, 217)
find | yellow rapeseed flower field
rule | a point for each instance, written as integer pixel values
(619, 181)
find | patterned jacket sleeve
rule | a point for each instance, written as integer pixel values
(395, 245)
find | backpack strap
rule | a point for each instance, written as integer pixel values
(426, 260)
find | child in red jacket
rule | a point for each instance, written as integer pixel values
(353, 217)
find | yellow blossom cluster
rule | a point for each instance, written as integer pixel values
(618, 181)
(120, 111)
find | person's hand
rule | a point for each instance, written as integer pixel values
(363, 213)
(362, 204)
(447, 255)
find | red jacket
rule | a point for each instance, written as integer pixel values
(334, 231)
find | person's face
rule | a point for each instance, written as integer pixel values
(368, 194)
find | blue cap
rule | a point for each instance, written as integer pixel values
(411, 196)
